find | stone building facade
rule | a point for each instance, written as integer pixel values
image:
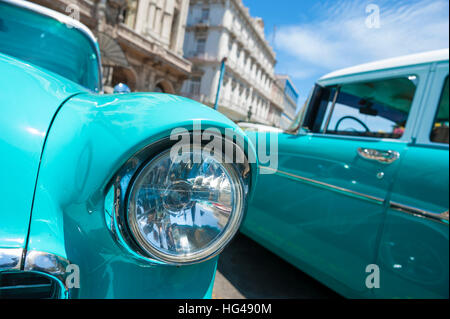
(141, 41)
(218, 29)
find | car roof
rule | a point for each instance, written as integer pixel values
(65, 19)
(413, 59)
(55, 15)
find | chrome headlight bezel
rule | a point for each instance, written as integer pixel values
(122, 186)
(213, 247)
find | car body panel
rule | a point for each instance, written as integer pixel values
(25, 117)
(90, 139)
(331, 197)
(419, 263)
(61, 147)
(413, 253)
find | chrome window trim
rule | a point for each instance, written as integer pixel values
(69, 22)
(357, 138)
(439, 72)
(333, 105)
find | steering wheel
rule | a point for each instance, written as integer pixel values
(351, 118)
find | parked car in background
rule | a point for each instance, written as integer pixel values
(92, 205)
(362, 185)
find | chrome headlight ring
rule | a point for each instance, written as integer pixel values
(127, 231)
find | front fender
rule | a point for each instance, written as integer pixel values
(91, 137)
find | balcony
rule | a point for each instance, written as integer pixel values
(201, 56)
(145, 44)
(199, 23)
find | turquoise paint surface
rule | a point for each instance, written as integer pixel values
(29, 99)
(87, 140)
(332, 232)
(90, 139)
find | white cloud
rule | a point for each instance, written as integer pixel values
(339, 37)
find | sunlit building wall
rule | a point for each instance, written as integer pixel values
(218, 29)
(290, 100)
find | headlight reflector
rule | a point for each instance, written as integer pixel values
(185, 212)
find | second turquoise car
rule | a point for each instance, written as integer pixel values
(360, 197)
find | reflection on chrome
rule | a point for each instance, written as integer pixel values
(46, 263)
(10, 258)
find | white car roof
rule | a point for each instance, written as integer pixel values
(413, 59)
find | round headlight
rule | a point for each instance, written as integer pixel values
(186, 211)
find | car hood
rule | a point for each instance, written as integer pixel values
(29, 100)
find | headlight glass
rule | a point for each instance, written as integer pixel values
(185, 211)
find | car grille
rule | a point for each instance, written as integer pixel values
(28, 285)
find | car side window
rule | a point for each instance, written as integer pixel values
(378, 108)
(440, 129)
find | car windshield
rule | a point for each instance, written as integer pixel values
(50, 44)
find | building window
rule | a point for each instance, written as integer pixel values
(230, 45)
(205, 15)
(201, 45)
(194, 88)
(130, 13)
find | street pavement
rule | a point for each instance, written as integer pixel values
(246, 270)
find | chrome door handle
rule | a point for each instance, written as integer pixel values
(385, 157)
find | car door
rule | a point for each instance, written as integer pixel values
(414, 250)
(323, 208)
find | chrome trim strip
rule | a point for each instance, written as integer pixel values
(67, 21)
(46, 263)
(443, 217)
(10, 258)
(331, 187)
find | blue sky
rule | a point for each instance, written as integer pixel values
(314, 37)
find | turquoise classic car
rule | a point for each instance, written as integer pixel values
(93, 205)
(360, 197)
